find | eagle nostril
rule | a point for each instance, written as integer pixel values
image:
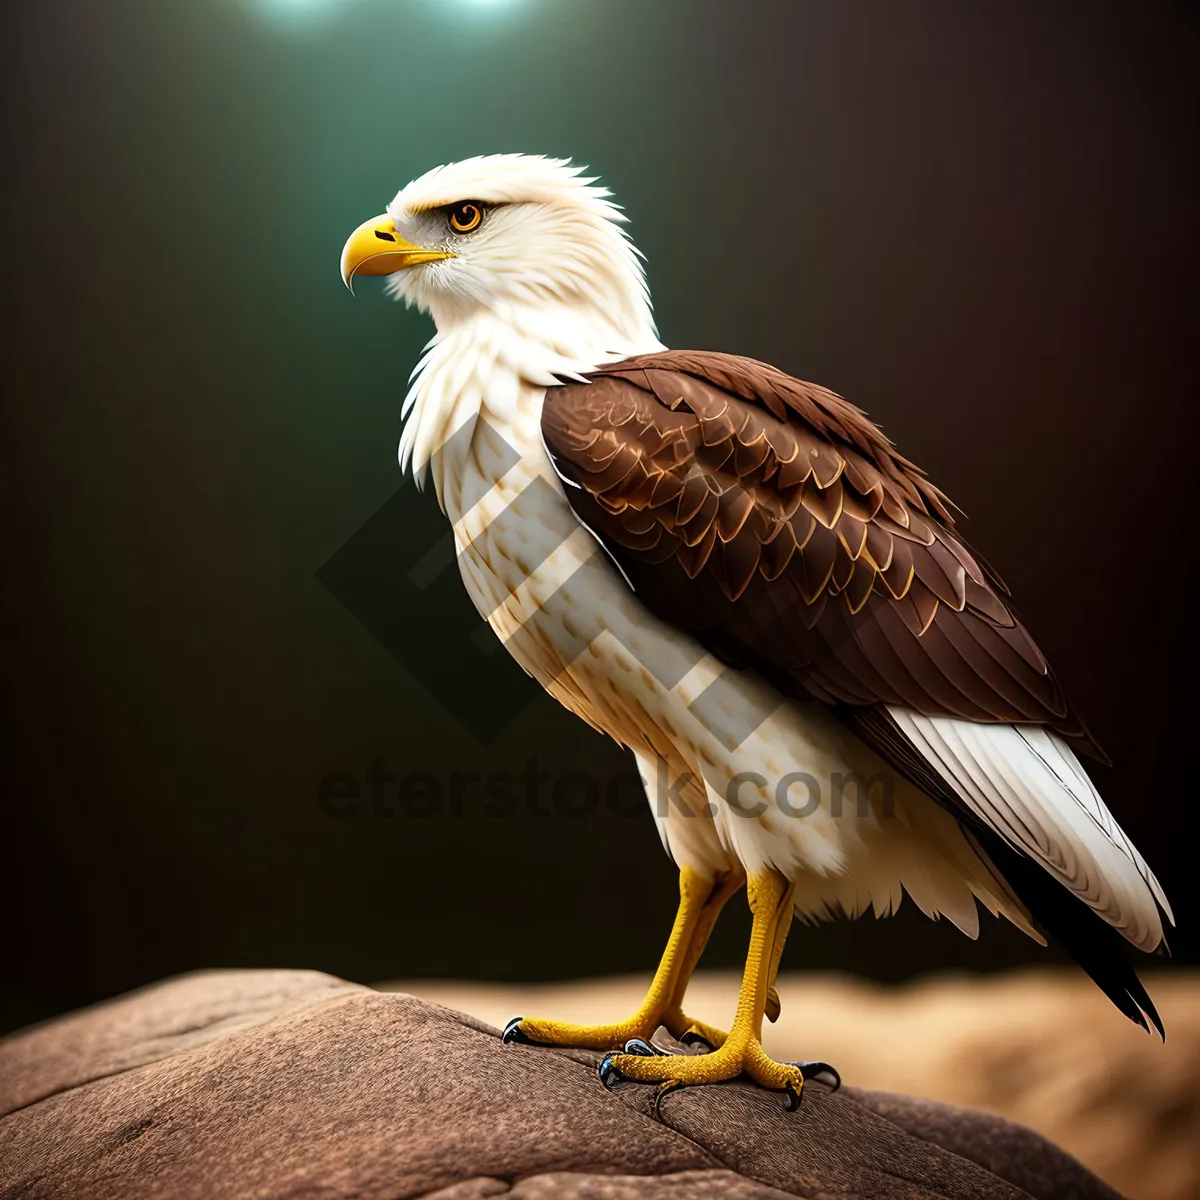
(384, 237)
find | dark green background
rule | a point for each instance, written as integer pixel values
(976, 220)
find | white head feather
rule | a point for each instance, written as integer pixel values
(549, 284)
(550, 235)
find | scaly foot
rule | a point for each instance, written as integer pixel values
(741, 1054)
(535, 1031)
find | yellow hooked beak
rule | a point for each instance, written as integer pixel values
(375, 248)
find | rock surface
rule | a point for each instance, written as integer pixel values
(293, 1083)
(1042, 1047)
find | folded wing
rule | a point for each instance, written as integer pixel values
(774, 522)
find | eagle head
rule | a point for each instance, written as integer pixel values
(504, 233)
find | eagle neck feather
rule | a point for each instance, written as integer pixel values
(496, 365)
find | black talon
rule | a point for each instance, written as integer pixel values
(819, 1069)
(513, 1034)
(794, 1096)
(814, 1070)
(640, 1047)
(609, 1075)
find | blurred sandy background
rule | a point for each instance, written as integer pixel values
(1040, 1047)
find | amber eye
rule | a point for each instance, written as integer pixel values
(466, 216)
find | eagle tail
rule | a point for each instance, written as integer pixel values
(1093, 943)
(1031, 811)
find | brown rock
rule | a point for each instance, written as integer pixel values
(1040, 1047)
(292, 1083)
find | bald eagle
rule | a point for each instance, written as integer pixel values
(737, 576)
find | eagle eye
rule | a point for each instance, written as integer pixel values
(466, 216)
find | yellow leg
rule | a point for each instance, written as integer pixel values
(700, 900)
(770, 897)
(781, 932)
(675, 1019)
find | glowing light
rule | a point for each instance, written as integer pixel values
(301, 12)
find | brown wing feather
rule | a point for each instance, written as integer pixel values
(773, 521)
